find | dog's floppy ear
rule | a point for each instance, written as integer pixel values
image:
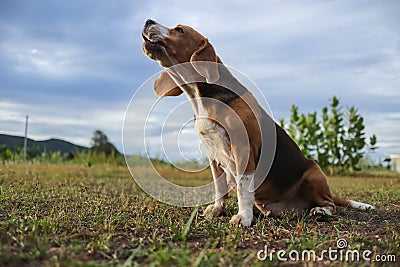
(165, 86)
(208, 70)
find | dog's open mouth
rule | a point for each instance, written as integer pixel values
(154, 42)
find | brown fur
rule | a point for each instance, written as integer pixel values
(294, 183)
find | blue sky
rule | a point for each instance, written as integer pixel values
(73, 66)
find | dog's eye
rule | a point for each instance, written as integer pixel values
(179, 29)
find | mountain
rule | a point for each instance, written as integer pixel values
(51, 145)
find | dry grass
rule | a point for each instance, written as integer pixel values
(64, 215)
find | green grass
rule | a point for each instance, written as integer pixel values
(66, 215)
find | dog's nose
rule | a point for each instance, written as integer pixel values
(149, 22)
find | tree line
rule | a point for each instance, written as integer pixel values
(335, 138)
(101, 151)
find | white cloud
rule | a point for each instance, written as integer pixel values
(62, 122)
(50, 59)
(298, 52)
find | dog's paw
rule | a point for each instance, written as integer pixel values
(318, 211)
(242, 220)
(213, 210)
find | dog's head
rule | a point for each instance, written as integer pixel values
(181, 44)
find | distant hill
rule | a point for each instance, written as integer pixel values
(51, 145)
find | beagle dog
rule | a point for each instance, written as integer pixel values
(247, 150)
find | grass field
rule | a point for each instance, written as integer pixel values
(66, 215)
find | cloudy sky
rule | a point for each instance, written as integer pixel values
(74, 66)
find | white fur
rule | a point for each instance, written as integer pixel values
(328, 210)
(164, 31)
(221, 189)
(360, 205)
(215, 209)
(230, 174)
(214, 138)
(157, 32)
(245, 194)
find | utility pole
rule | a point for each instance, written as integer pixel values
(26, 138)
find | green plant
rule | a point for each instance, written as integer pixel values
(71, 215)
(5, 153)
(336, 140)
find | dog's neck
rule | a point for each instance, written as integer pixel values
(197, 90)
(184, 79)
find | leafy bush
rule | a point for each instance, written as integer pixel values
(336, 139)
(5, 153)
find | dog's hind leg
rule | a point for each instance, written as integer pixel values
(321, 197)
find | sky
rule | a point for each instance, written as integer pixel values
(74, 66)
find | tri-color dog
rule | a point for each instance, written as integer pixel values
(237, 132)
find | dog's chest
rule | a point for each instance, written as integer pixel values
(214, 137)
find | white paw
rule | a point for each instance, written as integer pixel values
(213, 210)
(242, 219)
(321, 211)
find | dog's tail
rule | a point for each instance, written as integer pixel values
(341, 202)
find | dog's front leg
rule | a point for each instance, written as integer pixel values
(221, 190)
(245, 195)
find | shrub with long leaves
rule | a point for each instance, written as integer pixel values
(336, 139)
